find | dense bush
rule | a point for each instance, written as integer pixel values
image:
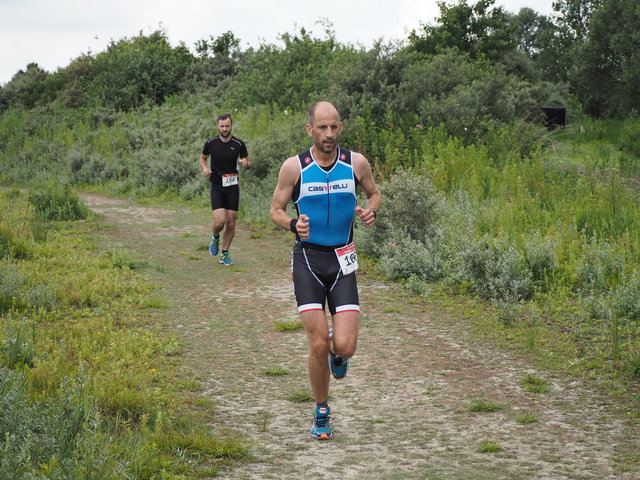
(600, 268)
(497, 270)
(412, 207)
(58, 202)
(19, 292)
(11, 245)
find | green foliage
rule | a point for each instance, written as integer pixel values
(497, 270)
(300, 396)
(626, 297)
(601, 266)
(527, 418)
(534, 384)
(288, 325)
(276, 371)
(29, 88)
(486, 406)
(58, 202)
(18, 291)
(489, 446)
(480, 30)
(289, 76)
(18, 348)
(135, 71)
(87, 389)
(607, 63)
(11, 246)
(407, 195)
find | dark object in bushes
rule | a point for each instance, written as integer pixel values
(555, 116)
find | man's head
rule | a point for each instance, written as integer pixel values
(224, 124)
(324, 125)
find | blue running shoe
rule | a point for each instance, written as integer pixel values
(321, 429)
(225, 259)
(338, 366)
(213, 248)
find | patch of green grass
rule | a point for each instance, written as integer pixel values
(256, 236)
(92, 383)
(120, 258)
(527, 418)
(203, 247)
(186, 235)
(486, 406)
(300, 396)
(533, 384)
(276, 371)
(633, 366)
(288, 325)
(489, 446)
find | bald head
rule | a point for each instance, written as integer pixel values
(324, 107)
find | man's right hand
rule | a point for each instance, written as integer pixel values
(302, 226)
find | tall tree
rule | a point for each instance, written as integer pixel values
(609, 60)
(479, 30)
(529, 30)
(561, 45)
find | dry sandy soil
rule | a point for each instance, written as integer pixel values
(403, 411)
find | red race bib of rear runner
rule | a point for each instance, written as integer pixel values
(229, 179)
(347, 258)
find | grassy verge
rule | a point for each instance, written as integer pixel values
(90, 387)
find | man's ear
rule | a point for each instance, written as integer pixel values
(309, 127)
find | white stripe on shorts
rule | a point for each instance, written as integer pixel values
(309, 306)
(348, 308)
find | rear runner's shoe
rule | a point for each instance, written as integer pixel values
(215, 244)
(225, 259)
(321, 429)
(338, 366)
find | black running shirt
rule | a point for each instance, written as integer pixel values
(224, 156)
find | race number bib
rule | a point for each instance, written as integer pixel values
(348, 258)
(229, 179)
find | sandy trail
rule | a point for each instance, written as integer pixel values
(403, 412)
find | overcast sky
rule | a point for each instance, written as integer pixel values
(53, 32)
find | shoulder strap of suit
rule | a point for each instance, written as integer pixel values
(305, 158)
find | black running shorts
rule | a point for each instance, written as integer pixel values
(224, 197)
(317, 277)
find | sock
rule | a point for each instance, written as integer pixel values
(225, 252)
(321, 405)
(217, 238)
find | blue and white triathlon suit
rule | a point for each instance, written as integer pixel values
(327, 195)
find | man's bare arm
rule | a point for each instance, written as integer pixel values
(203, 165)
(287, 178)
(371, 191)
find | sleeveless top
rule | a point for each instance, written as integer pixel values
(328, 197)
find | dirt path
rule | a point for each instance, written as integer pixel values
(403, 412)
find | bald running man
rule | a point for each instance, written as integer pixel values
(322, 182)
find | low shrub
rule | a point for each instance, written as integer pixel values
(600, 267)
(497, 270)
(19, 292)
(58, 202)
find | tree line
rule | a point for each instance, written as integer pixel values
(475, 65)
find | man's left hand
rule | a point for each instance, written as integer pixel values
(367, 215)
